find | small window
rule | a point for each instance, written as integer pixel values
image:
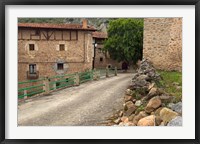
(60, 66)
(31, 47)
(32, 69)
(101, 59)
(62, 47)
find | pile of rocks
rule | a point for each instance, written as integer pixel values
(147, 105)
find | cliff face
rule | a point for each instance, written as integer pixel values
(100, 23)
(162, 43)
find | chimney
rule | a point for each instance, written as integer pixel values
(84, 24)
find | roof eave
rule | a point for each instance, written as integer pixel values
(89, 29)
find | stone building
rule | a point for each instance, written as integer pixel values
(53, 49)
(102, 59)
(162, 43)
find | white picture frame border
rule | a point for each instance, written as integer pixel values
(187, 131)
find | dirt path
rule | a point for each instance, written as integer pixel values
(86, 105)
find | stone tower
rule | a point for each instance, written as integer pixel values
(162, 43)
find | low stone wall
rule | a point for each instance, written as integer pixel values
(146, 104)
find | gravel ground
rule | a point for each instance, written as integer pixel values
(89, 104)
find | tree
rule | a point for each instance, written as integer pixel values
(125, 40)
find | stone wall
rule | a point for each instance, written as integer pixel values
(76, 56)
(162, 43)
(102, 59)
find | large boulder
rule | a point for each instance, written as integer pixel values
(129, 105)
(130, 110)
(153, 92)
(158, 120)
(157, 111)
(167, 115)
(141, 114)
(177, 121)
(166, 98)
(147, 121)
(130, 118)
(127, 98)
(138, 103)
(153, 104)
(124, 119)
(176, 107)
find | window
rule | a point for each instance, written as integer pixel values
(32, 69)
(31, 47)
(61, 47)
(101, 59)
(60, 66)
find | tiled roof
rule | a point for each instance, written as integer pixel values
(99, 35)
(55, 26)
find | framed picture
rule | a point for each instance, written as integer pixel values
(99, 71)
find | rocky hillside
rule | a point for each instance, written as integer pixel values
(97, 22)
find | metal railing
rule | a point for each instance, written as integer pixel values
(30, 88)
(61, 81)
(86, 76)
(48, 84)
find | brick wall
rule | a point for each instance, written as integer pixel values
(162, 43)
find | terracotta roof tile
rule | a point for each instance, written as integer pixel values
(99, 35)
(55, 26)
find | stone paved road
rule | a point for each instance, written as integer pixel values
(86, 105)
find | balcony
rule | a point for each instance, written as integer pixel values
(32, 76)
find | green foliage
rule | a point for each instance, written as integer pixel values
(138, 93)
(125, 39)
(41, 20)
(91, 21)
(143, 91)
(170, 82)
(138, 96)
(139, 109)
